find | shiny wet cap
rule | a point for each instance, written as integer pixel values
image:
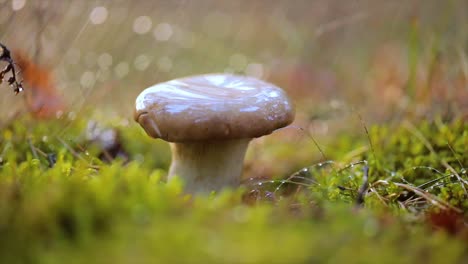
(212, 107)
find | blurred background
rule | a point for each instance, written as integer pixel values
(343, 62)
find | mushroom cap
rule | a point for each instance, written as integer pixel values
(212, 107)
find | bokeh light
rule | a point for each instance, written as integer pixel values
(88, 79)
(17, 4)
(141, 62)
(317, 51)
(121, 69)
(142, 25)
(163, 32)
(104, 60)
(98, 15)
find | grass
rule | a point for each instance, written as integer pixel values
(81, 209)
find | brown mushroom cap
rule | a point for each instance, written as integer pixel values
(212, 107)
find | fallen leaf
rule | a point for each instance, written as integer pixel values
(42, 98)
(447, 220)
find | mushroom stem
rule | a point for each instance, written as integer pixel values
(210, 165)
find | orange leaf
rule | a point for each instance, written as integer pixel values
(448, 220)
(42, 98)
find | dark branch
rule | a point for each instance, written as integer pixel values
(5, 55)
(365, 185)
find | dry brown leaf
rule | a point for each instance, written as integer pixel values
(448, 220)
(42, 98)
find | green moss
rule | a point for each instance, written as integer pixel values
(83, 210)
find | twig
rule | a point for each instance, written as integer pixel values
(455, 155)
(365, 185)
(374, 191)
(76, 154)
(371, 145)
(303, 174)
(309, 135)
(5, 55)
(429, 197)
(350, 165)
(41, 152)
(70, 149)
(283, 182)
(33, 149)
(423, 186)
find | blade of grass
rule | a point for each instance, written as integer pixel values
(429, 197)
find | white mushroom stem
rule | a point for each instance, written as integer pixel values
(210, 165)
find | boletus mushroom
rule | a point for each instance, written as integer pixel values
(209, 121)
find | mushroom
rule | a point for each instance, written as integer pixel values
(209, 121)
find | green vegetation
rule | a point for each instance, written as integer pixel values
(373, 170)
(79, 209)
